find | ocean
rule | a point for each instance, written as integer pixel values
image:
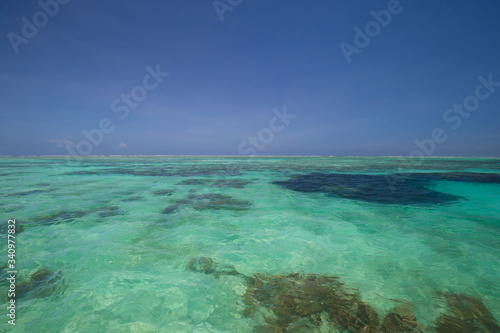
(250, 244)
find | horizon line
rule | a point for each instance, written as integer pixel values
(246, 156)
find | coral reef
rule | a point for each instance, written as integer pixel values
(399, 319)
(322, 303)
(42, 283)
(467, 315)
(308, 300)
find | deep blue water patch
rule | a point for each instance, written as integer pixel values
(400, 189)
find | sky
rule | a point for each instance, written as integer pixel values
(242, 77)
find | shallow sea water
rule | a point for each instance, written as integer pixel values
(119, 233)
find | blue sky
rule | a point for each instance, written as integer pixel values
(226, 78)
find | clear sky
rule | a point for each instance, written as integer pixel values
(250, 77)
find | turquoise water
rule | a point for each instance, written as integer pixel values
(119, 232)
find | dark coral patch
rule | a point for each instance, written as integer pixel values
(110, 211)
(231, 183)
(19, 227)
(224, 183)
(61, 216)
(41, 284)
(217, 201)
(21, 194)
(208, 201)
(308, 301)
(371, 188)
(201, 265)
(321, 303)
(170, 209)
(207, 265)
(176, 205)
(194, 181)
(400, 320)
(163, 192)
(134, 198)
(466, 315)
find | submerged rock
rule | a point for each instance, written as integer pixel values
(467, 314)
(207, 265)
(201, 265)
(41, 284)
(400, 320)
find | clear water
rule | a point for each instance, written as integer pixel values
(99, 223)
